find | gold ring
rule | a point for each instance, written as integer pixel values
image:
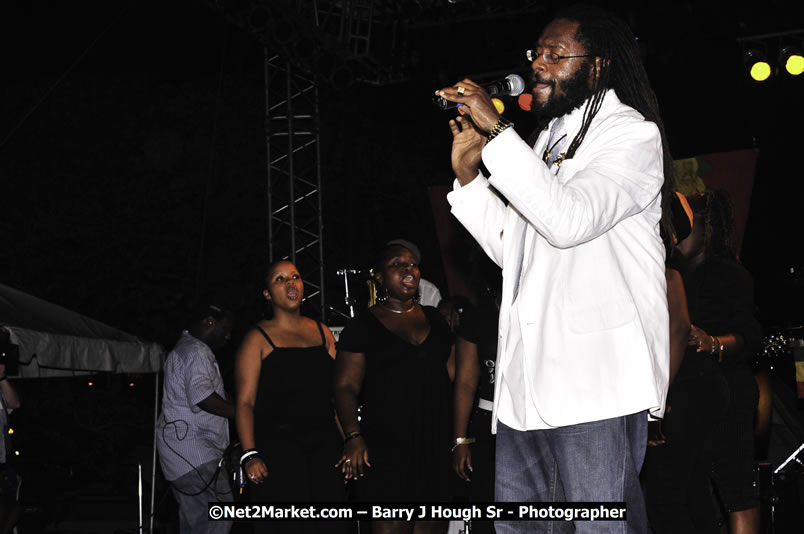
(461, 90)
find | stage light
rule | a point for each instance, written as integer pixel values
(498, 105)
(791, 60)
(10, 430)
(757, 65)
(90, 384)
(525, 101)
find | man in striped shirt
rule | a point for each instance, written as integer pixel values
(193, 428)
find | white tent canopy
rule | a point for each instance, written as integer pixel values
(54, 341)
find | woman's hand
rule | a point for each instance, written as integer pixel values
(354, 460)
(256, 470)
(702, 340)
(462, 460)
(655, 434)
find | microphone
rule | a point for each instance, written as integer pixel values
(511, 85)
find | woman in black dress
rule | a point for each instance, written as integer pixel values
(720, 298)
(392, 359)
(284, 411)
(708, 423)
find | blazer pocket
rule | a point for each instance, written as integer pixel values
(597, 317)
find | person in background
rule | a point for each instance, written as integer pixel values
(473, 447)
(429, 294)
(678, 463)
(193, 426)
(724, 331)
(9, 480)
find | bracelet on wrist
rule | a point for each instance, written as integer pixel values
(352, 435)
(462, 441)
(715, 344)
(248, 455)
(502, 125)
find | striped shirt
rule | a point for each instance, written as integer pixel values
(187, 436)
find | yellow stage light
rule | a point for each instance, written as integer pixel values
(757, 65)
(791, 59)
(760, 71)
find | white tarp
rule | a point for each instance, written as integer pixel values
(55, 341)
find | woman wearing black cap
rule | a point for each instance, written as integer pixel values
(393, 359)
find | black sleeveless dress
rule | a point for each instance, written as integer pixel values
(294, 427)
(407, 410)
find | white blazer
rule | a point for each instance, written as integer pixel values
(593, 308)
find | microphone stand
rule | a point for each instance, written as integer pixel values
(348, 300)
(778, 472)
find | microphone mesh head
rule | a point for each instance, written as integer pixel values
(517, 84)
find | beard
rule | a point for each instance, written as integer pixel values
(574, 91)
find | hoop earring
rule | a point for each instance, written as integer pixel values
(382, 294)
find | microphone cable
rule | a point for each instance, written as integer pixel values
(200, 475)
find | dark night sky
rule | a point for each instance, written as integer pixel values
(132, 151)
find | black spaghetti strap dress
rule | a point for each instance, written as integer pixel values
(295, 431)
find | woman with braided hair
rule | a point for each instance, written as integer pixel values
(719, 418)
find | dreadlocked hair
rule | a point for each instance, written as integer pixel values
(715, 210)
(604, 35)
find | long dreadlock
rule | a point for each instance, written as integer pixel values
(606, 36)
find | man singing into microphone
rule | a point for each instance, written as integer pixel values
(583, 349)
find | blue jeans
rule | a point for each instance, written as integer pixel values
(593, 462)
(193, 508)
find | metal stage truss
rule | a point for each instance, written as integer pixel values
(295, 224)
(309, 44)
